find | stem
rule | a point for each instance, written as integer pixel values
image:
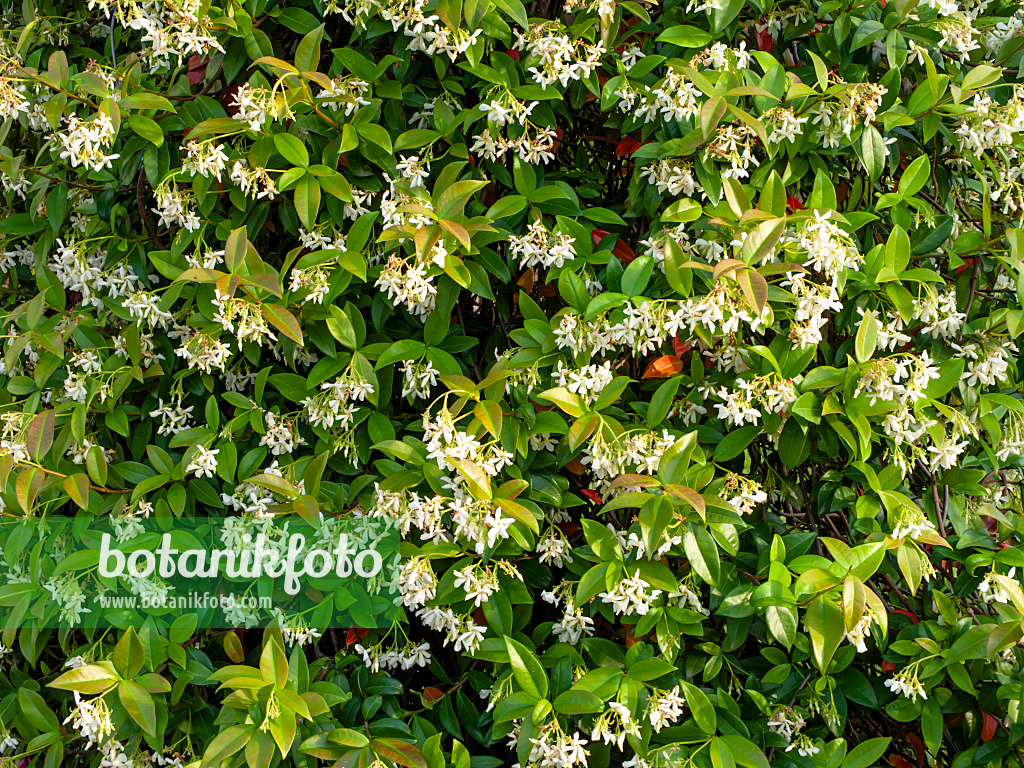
(29, 465)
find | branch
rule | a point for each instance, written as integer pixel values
(144, 214)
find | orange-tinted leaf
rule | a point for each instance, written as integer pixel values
(233, 647)
(663, 367)
(432, 693)
(527, 279)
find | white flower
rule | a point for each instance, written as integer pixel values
(906, 684)
(204, 463)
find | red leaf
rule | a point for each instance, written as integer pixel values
(594, 496)
(888, 666)
(627, 146)
(623, 252)
(197, 69)
(568, 529)
(794, 204)
(432, 693)
(663, 367)
(989, 726)
(229, 102)
(898, 761)
(908, 614)
(513, 53)
(355, 633)
(765, 41)
(681, 347)
(968, 262)
(918, 745)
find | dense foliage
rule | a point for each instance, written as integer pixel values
(680, 341)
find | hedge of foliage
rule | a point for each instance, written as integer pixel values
(681, 342)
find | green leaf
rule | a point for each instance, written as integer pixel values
(980, 75)
(307, 54)
(307, 200)
(735, 442)
(228, 742)
(867, 753)
(569, 402)
(39, 434)
(452, 199)
(745, 752)
(578, 703)
(507, 206)
(417, 137)
(33, 708)
(129, 656)
(872, 152)
(489, 414)
(637, 275)
(90, 679)
(661, 401)
(139, 704)
(292, 149)
(283, 320)
(147, 128)
(398, 751)
(683, 210)
(147, 101)
(867, 336)
(685, 36)
(868, 32)
(702, 552)
(235, 249)
(403, 349)
(700, 707)
(649, 669)
(721, 755)
(515, 10)
(782, 623)
(824, 623)
(375, 134)
(526, 669)
(759, 244)
(914, 178)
